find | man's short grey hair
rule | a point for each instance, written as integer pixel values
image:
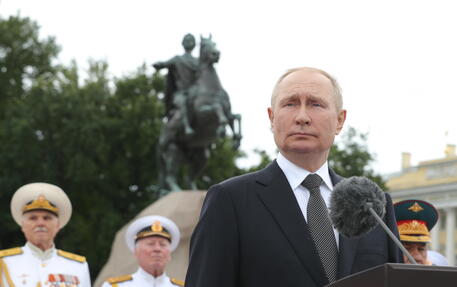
(337, 92)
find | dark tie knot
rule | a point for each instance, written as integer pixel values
(312, 182)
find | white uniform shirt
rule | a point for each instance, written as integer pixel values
(35, 268)
(141, 278)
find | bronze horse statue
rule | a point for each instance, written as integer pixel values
(207, 108)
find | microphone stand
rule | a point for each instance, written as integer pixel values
(369, 206)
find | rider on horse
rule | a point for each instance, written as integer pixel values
(181, 75)
(199, 115)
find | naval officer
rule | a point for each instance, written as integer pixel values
(41, 210)
(151, 239)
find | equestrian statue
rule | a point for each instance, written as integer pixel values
(198, 112)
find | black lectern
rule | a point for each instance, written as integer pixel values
(401, 275)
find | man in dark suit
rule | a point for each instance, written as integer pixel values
(259, 229)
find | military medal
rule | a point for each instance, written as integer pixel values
(63, 280)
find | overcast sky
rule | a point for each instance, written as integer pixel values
(396, 60)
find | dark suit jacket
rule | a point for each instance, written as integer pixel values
(252, 232)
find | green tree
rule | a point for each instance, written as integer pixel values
(221, 164)
(23, 57)
(264, 161)
(350, 157)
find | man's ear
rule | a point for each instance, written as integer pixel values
(341, 119)
(270, 116)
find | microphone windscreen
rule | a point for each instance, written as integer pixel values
(349, 202)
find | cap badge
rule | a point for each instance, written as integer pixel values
(41, 203)
(156, 226)
(415, 207)
(155, 229)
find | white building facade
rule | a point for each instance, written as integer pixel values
(434, 181)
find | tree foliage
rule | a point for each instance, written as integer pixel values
(221, 164)
(23, 57)
(264, 161)
(350, 157)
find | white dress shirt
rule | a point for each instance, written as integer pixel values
(295, 176)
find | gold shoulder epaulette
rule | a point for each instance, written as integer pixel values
(119, 279)
(71, 256)
(10, 252)
(177, 282)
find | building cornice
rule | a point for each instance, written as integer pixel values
(442, 195)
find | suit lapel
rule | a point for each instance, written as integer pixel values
(278, 198)
(347, 246)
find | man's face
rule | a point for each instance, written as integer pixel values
(40, 228)
(304, 118)
(153, 254)
(417, 250)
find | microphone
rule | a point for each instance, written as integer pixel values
(357, 206)
(348, 206)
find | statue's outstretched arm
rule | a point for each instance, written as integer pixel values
(158, 65)
(163, 64)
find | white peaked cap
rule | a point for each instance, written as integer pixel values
(148, 221)
(33, 191)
